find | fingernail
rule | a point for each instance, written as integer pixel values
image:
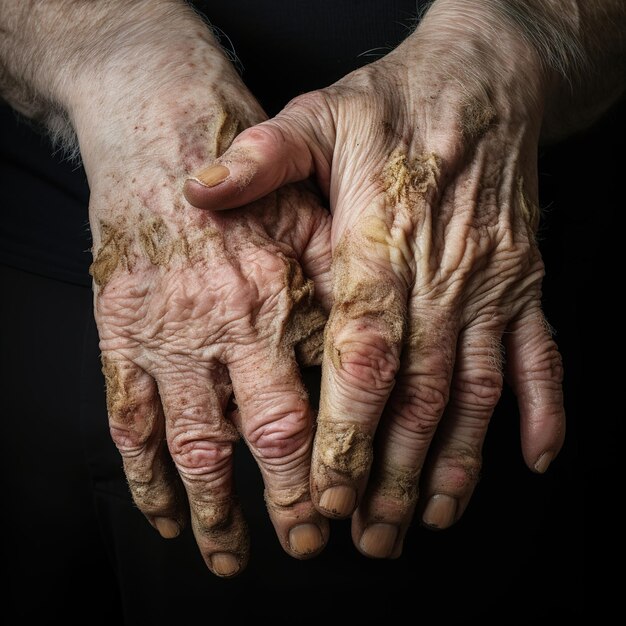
(168, 528)
(339, 501)
(213, 175)
(224, 564)
(440, 511)
(378, 540)
(543, 462)
(305, 539)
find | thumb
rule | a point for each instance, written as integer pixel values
(290, 147)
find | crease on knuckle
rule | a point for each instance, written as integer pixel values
(369, 365)
(213, 516)
(153, 495)
(282, 437)
(396, 487)
(286, 498)
(477, 391)
(422, 402)
(197, 457)
(459, 467)
(132, 409)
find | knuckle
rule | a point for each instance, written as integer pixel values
(282, 435)
(343, 448)
(368, 365)
(212, 516)
(264, 136)
(549, 365)
(312, 101)
(152, 496)
(460, 469)
(423, 402)
(477, 390)
(194, 456)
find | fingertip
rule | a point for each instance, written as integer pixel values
(168, 528)
(543, 462)
(306, 540)
(378, 541)
(338, 502)
(225, 565)
(194, 192)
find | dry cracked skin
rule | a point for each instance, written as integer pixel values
(345, 448)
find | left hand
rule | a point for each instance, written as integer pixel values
(428, 157)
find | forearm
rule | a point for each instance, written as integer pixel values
(64, 63)
(583, 45)
(572, 51)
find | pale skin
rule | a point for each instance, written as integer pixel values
(435, 290)
(429, 160)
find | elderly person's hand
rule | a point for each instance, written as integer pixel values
(429, 159)
(202, 318)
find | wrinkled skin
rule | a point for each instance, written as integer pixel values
(430, 170)
(202, 321)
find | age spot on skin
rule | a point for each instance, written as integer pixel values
(346, 449)
(406, 181)
(113, 253)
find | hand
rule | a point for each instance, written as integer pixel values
(428, 157)
(202, 318)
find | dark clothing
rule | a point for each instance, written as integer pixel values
(75, 547)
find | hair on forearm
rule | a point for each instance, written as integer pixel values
(584, 44)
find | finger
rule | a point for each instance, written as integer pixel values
(316, 259)
(201, 443)
(454, 463)
(277, 423)
(290, 147)
(138, 430)
(535, 372)
(361, 357)
(411, 418)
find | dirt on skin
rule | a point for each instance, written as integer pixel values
(345, 449)
(228, 127)
(286, 498)
(113, 253)
(155, 485)
(371, 298)
(120, 404)
(530, 211)
(476, 118)
(406, 181)
(151, 239)
(222, 523)
(398, 484)
(305, 329)
(156, 241)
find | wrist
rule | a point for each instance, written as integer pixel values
(471, 57)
